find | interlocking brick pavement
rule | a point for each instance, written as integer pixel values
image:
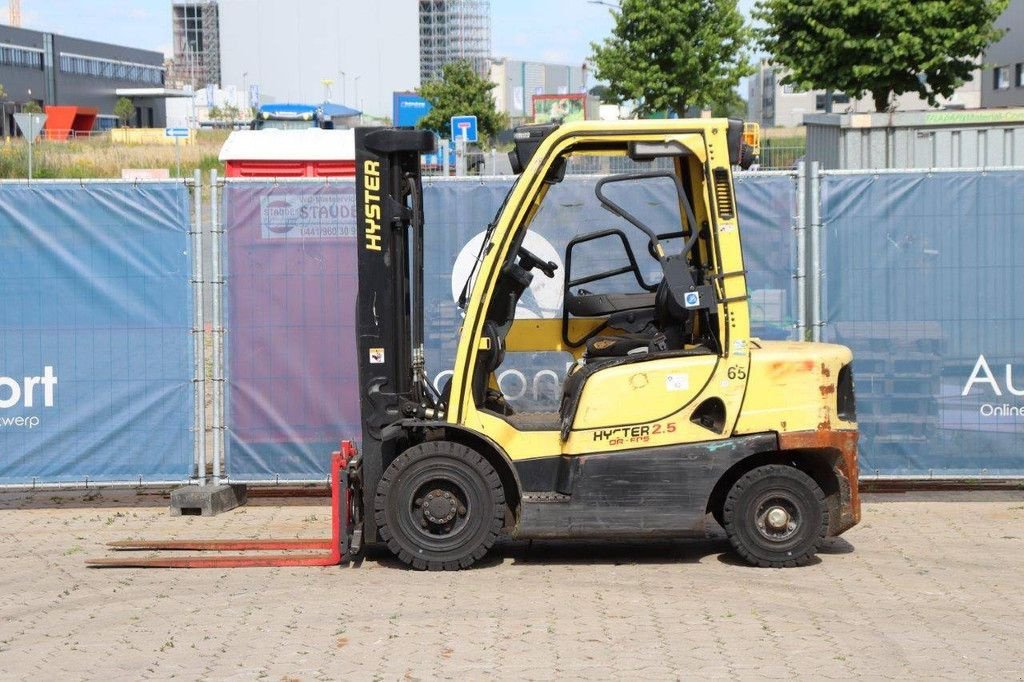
(928, 586)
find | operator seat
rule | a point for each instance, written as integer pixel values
(668, 330)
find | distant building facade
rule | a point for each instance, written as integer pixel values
(353, 52)
(773, 104)
(1002, 83)
(453, 30)
(195, 31)
(52, 69)
(519, 81)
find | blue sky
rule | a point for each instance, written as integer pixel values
(545, 30)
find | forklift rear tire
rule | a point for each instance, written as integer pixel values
(439, 506)
(775, 516)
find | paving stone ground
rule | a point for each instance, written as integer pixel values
(928, 586)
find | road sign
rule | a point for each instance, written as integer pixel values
(464, 128)
(177, 134)
(30, 125)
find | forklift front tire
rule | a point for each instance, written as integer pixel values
(439, 506)
(775, 516)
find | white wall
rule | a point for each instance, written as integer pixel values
(185, 112)
(289, 47)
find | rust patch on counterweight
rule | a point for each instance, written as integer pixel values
(847, 507)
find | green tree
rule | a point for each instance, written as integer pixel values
(215, 113)
(881, 47)
(461, 92)
(32, 107)
(729, 105)
(124, 110)
(667, 55)
(230, 113)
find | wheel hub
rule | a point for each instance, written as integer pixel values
(777, 518)
(439, 507)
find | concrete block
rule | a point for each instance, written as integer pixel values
(208, 500)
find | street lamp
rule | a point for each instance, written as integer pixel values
(327, 83)
(606, 4)
(342, 74)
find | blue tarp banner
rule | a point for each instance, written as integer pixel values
(292, 378)
(292, 390)
(924, 280)
(95, 332)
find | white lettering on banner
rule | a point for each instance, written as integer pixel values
(14, 392)
(514, 383)
(30, 422)
(1004, 410)
(982, 374)
(982, 366)
(301, 216)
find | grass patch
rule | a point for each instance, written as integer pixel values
(100, 158)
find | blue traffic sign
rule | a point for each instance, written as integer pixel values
(176, 132)
(464, 127)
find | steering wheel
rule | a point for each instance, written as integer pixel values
(530, 260)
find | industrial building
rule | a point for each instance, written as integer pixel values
(1002, 83)
(454, 30)
(57, 70)
(773, 104)
(195, 34)
(518, 82)
(315, 51)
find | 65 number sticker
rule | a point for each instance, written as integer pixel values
(736, 373)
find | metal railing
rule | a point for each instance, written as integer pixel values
(781, 156)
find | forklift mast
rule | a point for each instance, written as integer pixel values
(389, 309)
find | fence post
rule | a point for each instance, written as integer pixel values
(460, 156)
(442, 150)
(817, 276)
(217, 309)
(198, 332)
(800, 227)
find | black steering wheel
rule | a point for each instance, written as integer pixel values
(530, 260)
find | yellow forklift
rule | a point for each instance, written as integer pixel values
(670, 412)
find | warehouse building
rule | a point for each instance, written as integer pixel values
(57, 70)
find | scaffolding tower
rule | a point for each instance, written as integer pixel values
(454, 30)
(196, 35)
